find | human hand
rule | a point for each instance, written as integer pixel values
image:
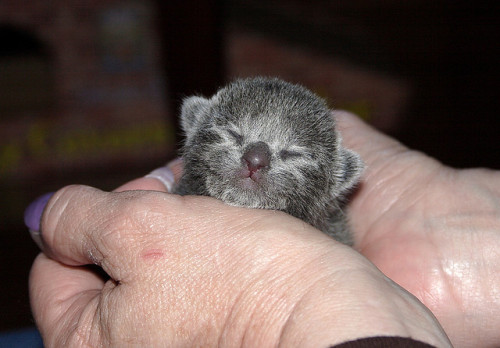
(432, 229)
(192, 271)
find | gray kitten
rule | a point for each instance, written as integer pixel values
(266, 143)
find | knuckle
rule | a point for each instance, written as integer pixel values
(62, 213)
(132, 219)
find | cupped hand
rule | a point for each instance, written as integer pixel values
(432, 229)
(192, 271)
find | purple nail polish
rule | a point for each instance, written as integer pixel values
(33, 213)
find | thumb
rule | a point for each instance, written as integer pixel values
(382, 154)
(374, 147)
(393, 173)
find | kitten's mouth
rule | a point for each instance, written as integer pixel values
(254, 175)
(250, 179)
(251, 189)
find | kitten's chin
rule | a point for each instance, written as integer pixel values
(249, 184)
(246, 193)
(241, 190)
(249, 179)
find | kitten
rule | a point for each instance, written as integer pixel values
(266, 143)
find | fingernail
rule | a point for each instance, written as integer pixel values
(33, 213)
(173, 163)
(165, 175)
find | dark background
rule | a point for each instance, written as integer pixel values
(447, 51)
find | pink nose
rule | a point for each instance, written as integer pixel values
(257, 156)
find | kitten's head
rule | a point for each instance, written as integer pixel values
(266, 143)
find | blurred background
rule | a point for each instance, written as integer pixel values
(90, 90)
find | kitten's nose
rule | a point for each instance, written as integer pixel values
(257, 156)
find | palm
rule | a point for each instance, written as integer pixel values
(411, 218)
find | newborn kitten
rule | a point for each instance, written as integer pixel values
(266, 143)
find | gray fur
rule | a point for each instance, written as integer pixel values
(309, 171)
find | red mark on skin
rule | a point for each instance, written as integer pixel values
(153, 254)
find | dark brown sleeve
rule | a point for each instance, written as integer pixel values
(384, 342)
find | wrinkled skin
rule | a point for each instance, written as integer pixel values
(432, 229)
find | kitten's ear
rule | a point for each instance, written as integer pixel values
(350, 168)
(193, 108)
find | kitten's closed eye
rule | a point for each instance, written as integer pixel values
(289, 154)
(236, 136)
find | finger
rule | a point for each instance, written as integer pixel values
(144, 183)
(368, 142)
(59, 294)
(385, 157)
(82, 225)
(161, 179)
(65, 222)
